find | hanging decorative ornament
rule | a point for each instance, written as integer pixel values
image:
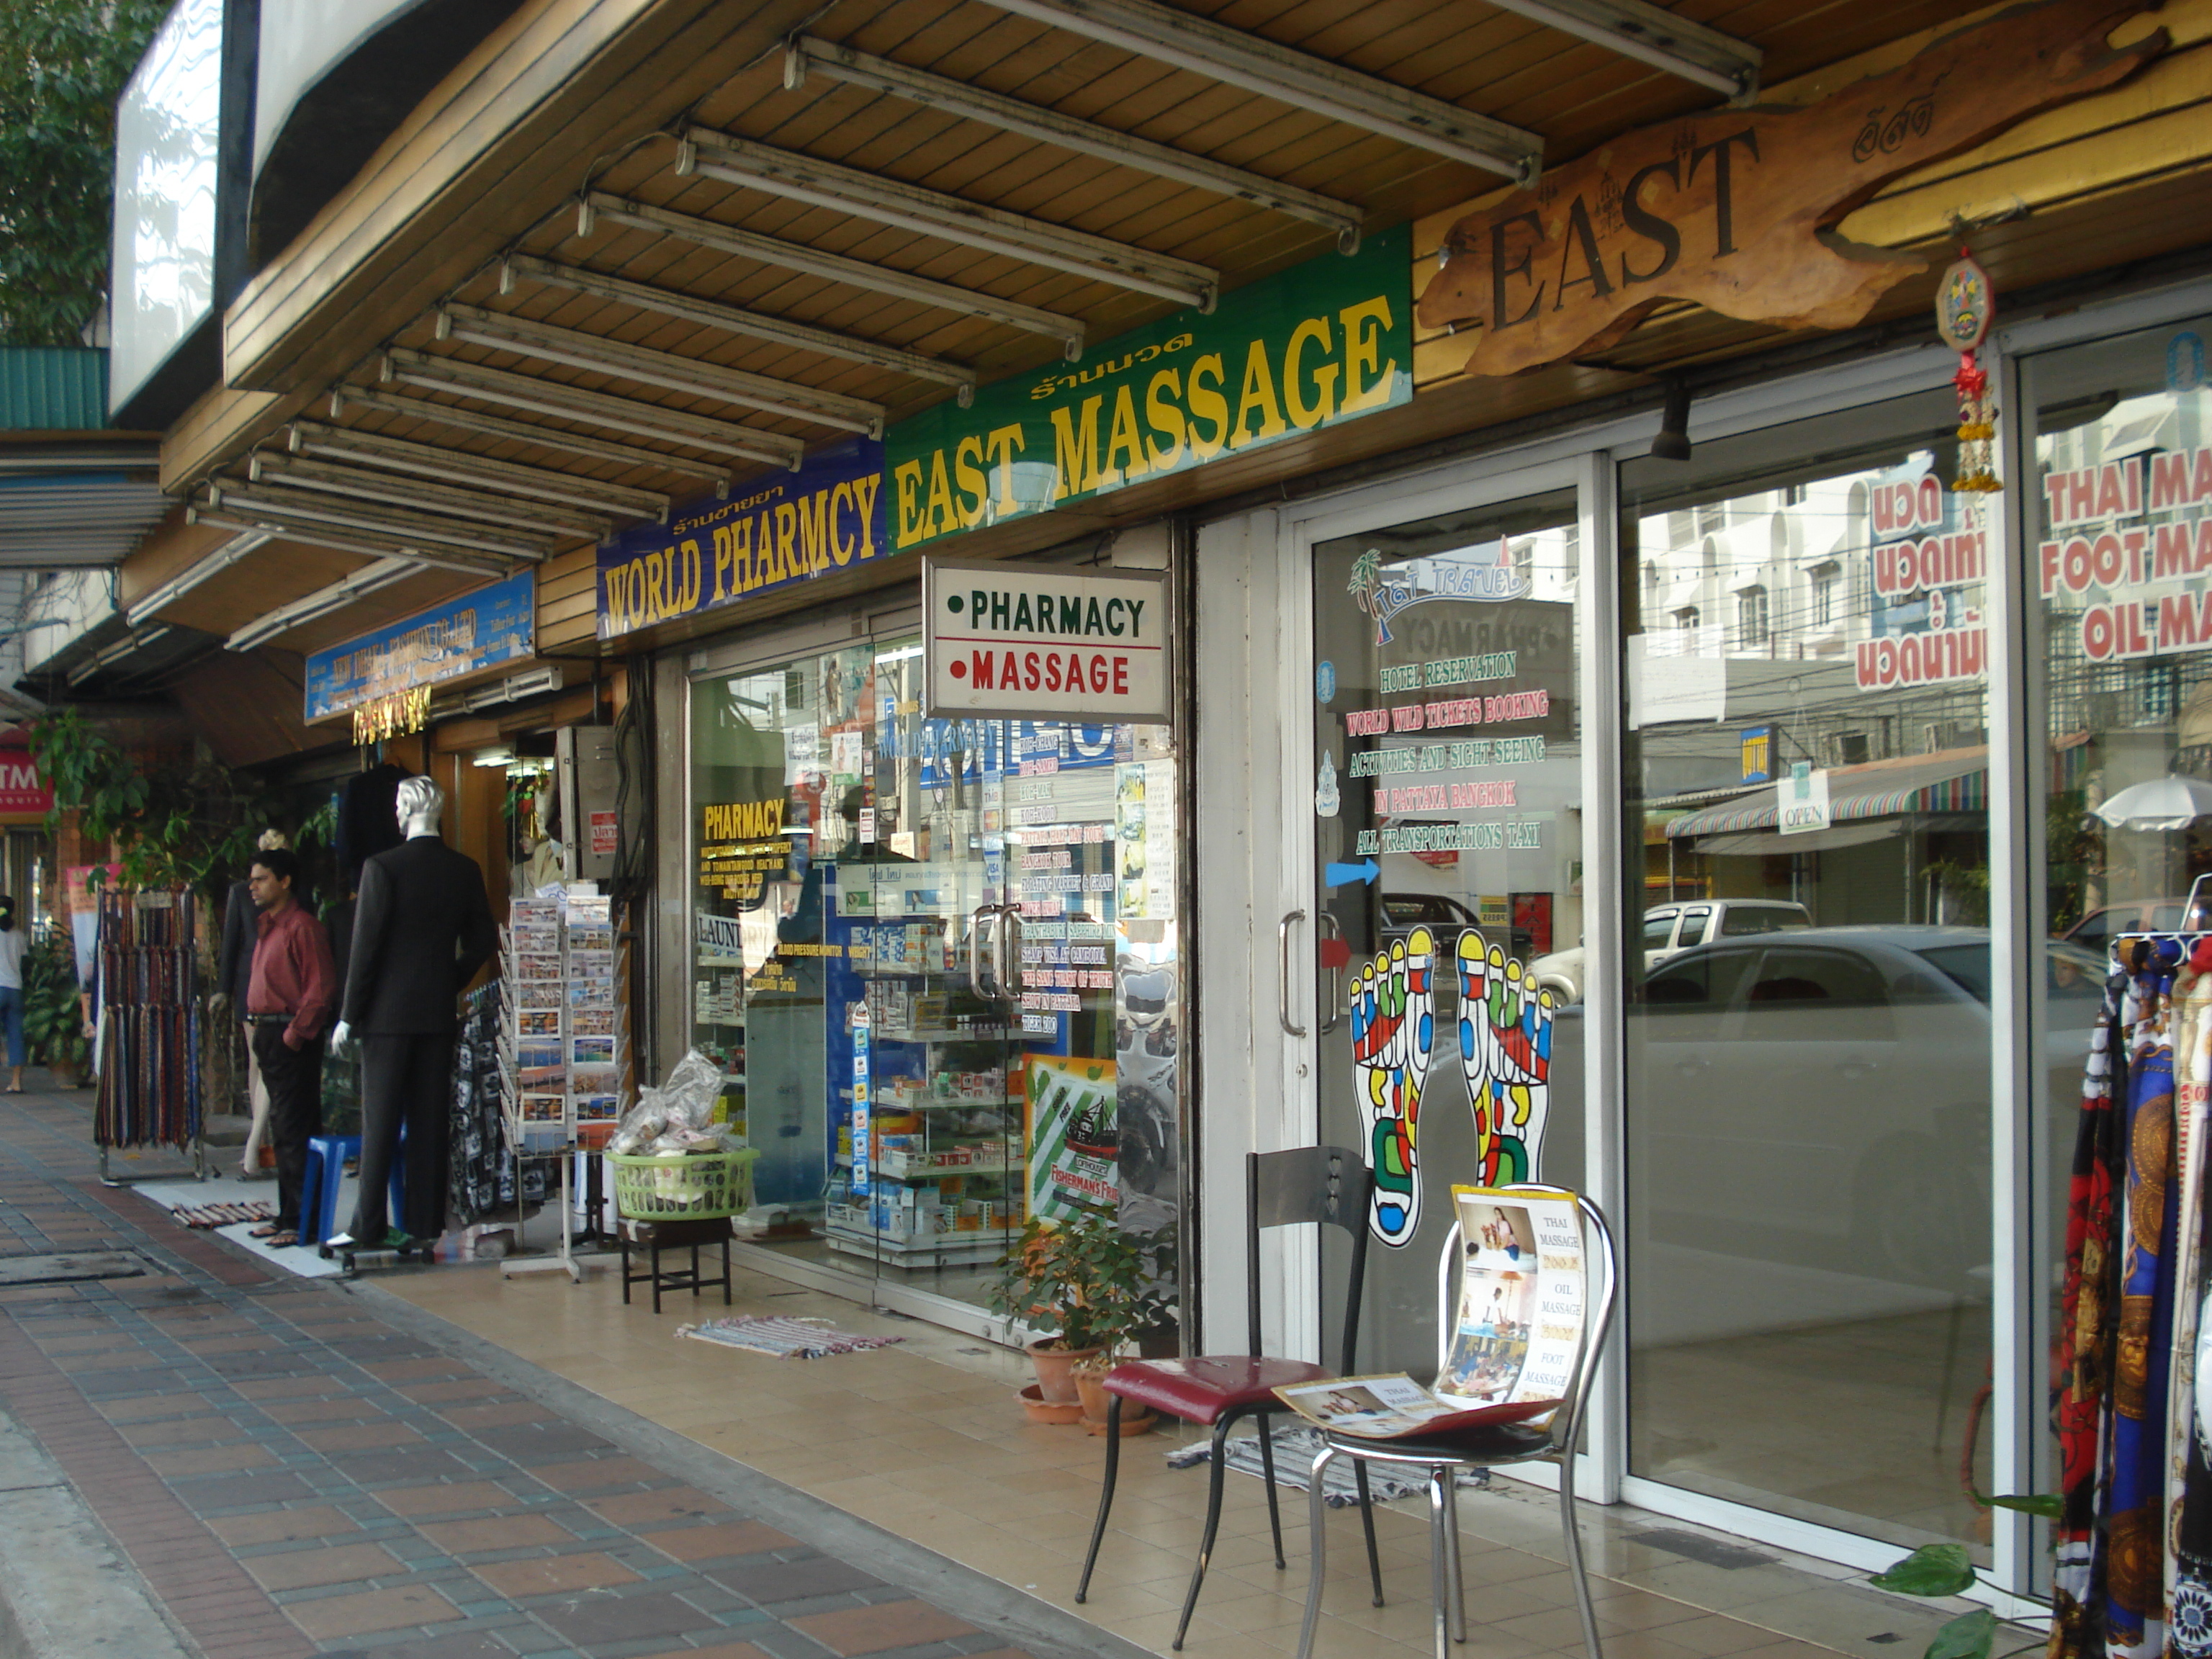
(1962, 317)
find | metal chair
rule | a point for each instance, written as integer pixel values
(1306, 1184)
(1443, 1456)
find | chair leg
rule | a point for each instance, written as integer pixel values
(1437, 1546)
(1267, 1473)
(1367, 1521)
(1574, 1541)
(1316, 1511)
(1455, 1579)
(1220, 1465)
(1105, 1492)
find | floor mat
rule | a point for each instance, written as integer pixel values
(1295, 1451)
(785, 1339)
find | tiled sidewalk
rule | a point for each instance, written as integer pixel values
(292, 1475)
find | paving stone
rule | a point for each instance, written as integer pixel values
(633, 1508)
(445, 1497)
(303, 1569)
(771, 1581)
(543, 1575)
(601, 1618)
(281, 1526)
(509, 1531)
(886, 1625)
(721, 1540)
(363, 1612)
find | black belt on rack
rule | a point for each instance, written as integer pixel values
(271, 1019)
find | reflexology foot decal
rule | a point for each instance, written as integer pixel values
(1505, 1046)
(1393, 1031)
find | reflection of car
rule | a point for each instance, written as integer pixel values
(1671, 928)
(2096, 931)
(1447, 918)
(1834, 1084)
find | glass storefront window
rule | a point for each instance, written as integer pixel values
(2118, 556)
(1449, 878)
(1807, 1040)
(939, 962)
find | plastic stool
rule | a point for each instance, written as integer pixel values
(318, 1188)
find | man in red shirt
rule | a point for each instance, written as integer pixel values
(288, 1003)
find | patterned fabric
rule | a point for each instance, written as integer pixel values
(2086, 1334)
(2135, 1526)
(482, 1176)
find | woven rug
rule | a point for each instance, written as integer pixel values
(1295, 1451)
(223, 1215)
(785, 1338)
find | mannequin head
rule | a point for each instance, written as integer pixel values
(421, 804)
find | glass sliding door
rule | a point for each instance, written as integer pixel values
(1808, 1042)
(939, 962)
(1448, 877)
(2118, 550)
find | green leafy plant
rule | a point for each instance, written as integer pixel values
(1940, 1569)
(62, 66)
(1086, 1282)
(188, 823)
(53, 1020)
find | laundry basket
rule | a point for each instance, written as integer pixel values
(685, 1186)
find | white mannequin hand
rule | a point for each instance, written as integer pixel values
(340, 1033)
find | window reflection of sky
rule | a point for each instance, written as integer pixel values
(166, 130)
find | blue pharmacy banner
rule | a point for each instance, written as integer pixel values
(772, 532)
(492, 625)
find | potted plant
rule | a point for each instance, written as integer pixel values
(54, 1017)
(1091, 1288)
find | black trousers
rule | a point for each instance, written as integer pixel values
(294, 1078)
(405, 1079)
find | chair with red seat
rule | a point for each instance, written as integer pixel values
(1306, 1184)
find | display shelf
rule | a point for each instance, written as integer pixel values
(980, 1033)
(907, 1166)
(942, 1250)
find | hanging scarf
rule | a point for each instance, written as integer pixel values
(2083, 1385)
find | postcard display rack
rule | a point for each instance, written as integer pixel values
(148, 1028)
(563, 1046)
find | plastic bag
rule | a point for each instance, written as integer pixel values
(677, 1116)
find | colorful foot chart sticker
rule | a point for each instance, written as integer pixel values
(1393, 1032)
(1505, 1046)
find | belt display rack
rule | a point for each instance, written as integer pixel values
(147, 1036)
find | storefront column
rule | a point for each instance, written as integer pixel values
(1251, 851)
(1605, 1456)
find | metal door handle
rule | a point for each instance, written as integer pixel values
(976, 948)
(1283, 972)
(1006, 958)
(1331, 928)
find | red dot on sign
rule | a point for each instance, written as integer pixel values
(959, 670)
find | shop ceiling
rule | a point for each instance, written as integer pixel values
(717, 236)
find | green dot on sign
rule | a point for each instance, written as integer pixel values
(953, 605)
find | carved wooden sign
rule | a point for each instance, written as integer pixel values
(1736, 209)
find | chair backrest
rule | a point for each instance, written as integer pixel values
(1598, 1251)
(1325, 1184)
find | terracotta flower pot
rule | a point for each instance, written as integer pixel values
(1055, 1369)
(1090, 1384)
(1041, 1410)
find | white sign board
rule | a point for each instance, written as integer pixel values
(1802, 797)
(1045, 641)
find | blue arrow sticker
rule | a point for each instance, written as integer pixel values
(1343, 875)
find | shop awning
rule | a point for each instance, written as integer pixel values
(1948, 780)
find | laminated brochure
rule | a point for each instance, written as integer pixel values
(1516, 1327)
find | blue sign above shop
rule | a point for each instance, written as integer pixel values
(492, 625)
(773, 531)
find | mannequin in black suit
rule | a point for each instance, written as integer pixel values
(421, 928)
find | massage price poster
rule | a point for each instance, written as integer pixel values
(1522, 1298)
